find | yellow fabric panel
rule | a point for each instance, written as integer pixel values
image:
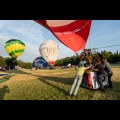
(14, 55)
(14, 47)
(17, 46)
(22, 47)
(8, 49)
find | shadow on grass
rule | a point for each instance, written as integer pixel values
(110, 93)
(3, 90)
(68, 81)
(56, 87)
(5, 78)
(116, 89)
(10, 73)
(17, 72)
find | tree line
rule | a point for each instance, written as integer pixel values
(11, 63)
(74, 60)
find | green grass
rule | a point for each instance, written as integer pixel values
(52, 85)
(3, 80)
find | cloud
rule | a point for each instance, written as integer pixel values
(30, 53)
(3, 38)
(26, 31)
(32, 34)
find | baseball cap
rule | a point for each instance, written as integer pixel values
(82, 62)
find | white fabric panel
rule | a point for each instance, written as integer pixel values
(49, 50)
(95, 82)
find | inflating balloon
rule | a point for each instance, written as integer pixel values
(72, 33)
(40, 62)
(49, 51)
(14, 47)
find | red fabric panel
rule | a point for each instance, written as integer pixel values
(73, 35)
(77, 36)
(42, 22)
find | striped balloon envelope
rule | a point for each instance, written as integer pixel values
(72, 33)
(49, 51)
(14, 47)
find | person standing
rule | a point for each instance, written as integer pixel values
(109, 72)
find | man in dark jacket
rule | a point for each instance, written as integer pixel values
(109, 72)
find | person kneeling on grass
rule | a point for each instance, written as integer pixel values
(78, 78)
(99, 68)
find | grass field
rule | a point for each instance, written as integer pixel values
(52, 85)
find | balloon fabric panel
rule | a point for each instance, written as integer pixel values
(14, 48)
(72, 33)
(49, 51)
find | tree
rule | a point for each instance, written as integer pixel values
(11, 63)
(2, 61)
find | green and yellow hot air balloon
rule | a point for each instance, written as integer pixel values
(14, 48)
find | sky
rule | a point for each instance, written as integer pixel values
(103, 33)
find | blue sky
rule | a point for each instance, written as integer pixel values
(102, 33)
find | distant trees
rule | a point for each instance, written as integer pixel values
(2, 61)
(11, 63)
(74, 60)
(27, 65)
(112, 57)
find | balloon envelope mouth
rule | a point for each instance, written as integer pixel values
(52, 63)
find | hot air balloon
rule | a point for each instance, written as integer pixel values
(49, 51)
(14, 48)
(72, 33)
(40, 62)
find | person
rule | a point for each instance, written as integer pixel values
(82, 57)
(78, 78)
(99, 68)
(37, 64)
(86, 55)
(109, 72)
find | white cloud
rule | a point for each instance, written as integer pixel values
(32, 34)
(30, 53)
(3, 38)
